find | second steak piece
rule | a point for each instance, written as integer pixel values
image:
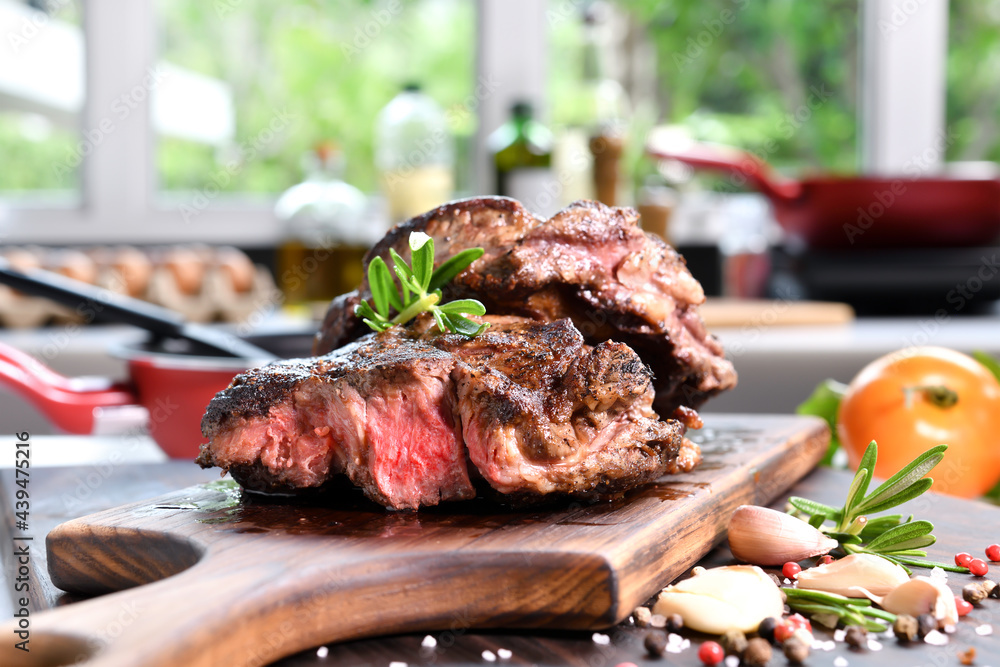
(535, 410)
(589, 262)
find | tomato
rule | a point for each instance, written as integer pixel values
(905, 402)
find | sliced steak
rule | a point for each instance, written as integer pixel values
(535, 409)
(589, 262)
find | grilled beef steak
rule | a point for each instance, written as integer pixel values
(590, 263)
(415, 417)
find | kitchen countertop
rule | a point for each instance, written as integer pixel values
(63, 492)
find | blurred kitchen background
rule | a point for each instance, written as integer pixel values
(233, 159)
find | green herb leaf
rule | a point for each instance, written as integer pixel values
(868, 463)
(902, 534)
(879, 525)
(992, 365)
(463, 325)
(453, 266)
(383, 288)
(463, 307)
(364, 309)
(814, 508)
(855, 494)
(907, 493)
(825, 402)
(422, 259)
(895, 487)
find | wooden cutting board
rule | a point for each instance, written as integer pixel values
(237, 582)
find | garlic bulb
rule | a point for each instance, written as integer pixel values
(854, 576)
(921, 595)
(764, 536)
(736, 597)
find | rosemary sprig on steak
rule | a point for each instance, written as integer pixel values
(420, 290)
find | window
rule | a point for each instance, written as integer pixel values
(41, 96)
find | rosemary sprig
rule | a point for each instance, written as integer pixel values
(852, 611)
(420, 290)
(891, 537)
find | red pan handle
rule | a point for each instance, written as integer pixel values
(729, 160)
(63, 400)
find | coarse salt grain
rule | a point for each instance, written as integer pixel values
(489, 656)
(732, 661)
(984, 630)
(322, 652)
(603, 640)
(840, 661)
(950, 629)
(429, 642)
(938, 573)
(398, 664)
(829, 645)
(874, 645)
(504, 653)
(936, 638)
(787, 581)
(838, 635)
(674, 638)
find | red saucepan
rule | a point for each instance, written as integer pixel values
(837, 212)
(172, 378)
(167, 392)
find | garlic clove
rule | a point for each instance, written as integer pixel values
(854, 576)
(920, 595)
(764, 536)
(735, 597)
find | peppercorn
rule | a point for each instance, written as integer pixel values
(775, 579)
(856, 637)
(796, 650)
(978, 567)
(926, 623)
(974, 593)
(757, 653)
(766, 629)
(733, 642)
(658, 621)
(642, 616)
(906, 628)
(991, 587)
(675, 622)
(655, 643)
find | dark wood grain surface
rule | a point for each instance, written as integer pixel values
(962, 525)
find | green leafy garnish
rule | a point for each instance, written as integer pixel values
(890, 537)
(825, 402)
(420, 290)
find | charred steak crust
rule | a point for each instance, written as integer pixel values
(534, 409)
(589, 262)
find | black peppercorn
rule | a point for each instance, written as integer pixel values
(766, 629)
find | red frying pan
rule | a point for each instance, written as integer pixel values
(844, 212)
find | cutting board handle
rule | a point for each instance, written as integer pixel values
(250, 610)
